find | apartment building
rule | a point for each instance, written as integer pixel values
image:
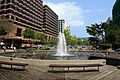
(61, 25)
(23, 14)
(116, 12)
(50, 22)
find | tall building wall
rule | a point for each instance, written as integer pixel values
(116, 12)
(29, 14)
(61, 25)
(50, 22)
(24, 13)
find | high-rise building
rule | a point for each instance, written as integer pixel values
(29, 14)
(23, 14)
(116, 12)
(50, 23)
(61, 25)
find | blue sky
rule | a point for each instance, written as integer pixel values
(81, 13)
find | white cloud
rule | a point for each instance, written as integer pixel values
(70, 11)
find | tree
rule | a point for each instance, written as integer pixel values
(52, 42)
(31, 34)
(104, 34)
(39, 36)
(93, 41)
(103, 30)
(98, 33)
(28, 33)
(72, 39)
(113, 37)
(82, 41)
(93, 30)
(67, 35)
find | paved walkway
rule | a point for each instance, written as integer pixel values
(39, 70)
(41, 73)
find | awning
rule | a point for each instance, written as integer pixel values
(16, 38)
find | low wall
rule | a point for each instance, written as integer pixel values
(109, 60)
(48, 62)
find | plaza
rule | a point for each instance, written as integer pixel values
(42, 40)
(39, 70)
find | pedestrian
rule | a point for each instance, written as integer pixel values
(14, 48)
(4, 48)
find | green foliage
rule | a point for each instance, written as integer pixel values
(98, 32)
(105, 46)
(72, 39)
(93, 30)
(82, 41)
(52, 42)
(28, 33)
(113, 37)
(67, 35)
(105, 33)
(39, 36)
(94, 41)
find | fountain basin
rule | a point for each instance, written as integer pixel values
(63, 55)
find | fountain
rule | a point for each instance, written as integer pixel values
(61, 49)
(60, 54)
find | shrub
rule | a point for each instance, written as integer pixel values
(105, 46)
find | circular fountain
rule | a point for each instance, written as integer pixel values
(60, 54)
(62, 48)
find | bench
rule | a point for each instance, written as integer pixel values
(75, 65)
(13, 64)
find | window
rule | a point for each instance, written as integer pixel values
(8, 6)
(8, 1)
(17, 19)
(1, 12)
(7, 17)
(2, 7)
(3, 2)
(9, 11)
(18, 32)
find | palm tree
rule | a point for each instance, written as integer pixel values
(95, 31)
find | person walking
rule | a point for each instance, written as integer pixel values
(4, 48)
